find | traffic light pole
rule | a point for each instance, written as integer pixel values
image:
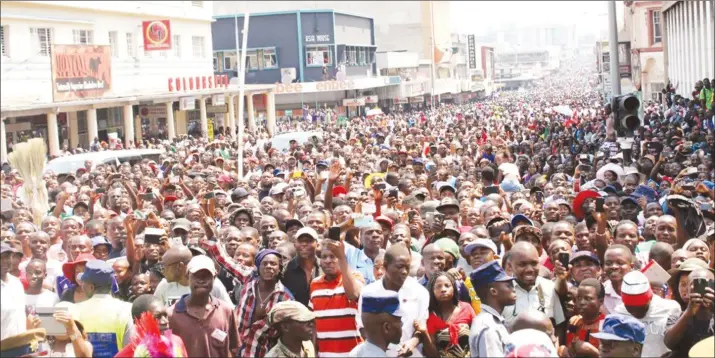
(613, 49)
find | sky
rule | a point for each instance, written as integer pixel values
(479, 16)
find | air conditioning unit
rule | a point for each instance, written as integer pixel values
(287, 75)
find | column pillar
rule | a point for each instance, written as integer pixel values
(128, 117)
(204, 119)
(251, 115)
(73, 129)
(92, 125)
(52, 134)
(170, 120)
(3, 142)
(231, 120)
(271, 113)
(138, 135)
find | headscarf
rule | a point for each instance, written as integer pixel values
(262, 255)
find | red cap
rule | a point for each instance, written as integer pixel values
(68, 268)
(579, 200)
(339, 190)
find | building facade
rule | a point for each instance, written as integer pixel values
(74, 71)
(689, 38)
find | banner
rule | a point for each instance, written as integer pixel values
(472, 52)
(624, 59)
(157, 35)
(80, 72)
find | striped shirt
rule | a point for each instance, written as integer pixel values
(337, 332)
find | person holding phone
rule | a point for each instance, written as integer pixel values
(695, 324)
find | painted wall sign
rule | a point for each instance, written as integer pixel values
(80, 71)
(316, 38)
(157, 35)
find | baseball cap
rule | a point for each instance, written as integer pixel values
(622, 328)
(521, 219)
(486, 243)
(290, 310)
(98, 273)
(5, 248)
(293, 222)
(382, 302)
(588, 255)
(182, 224)
(199, 263)
(488, 273)
(307, 231)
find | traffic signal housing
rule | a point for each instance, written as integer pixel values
(626, 109)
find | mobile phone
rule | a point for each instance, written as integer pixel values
(699, 285)
(334, 233)
(48, 321)
(539, 197)
(210, 195)
(492, 189)
(599, 204)
(149, 196)
(379, 186)
(432, 149)
(139, 215)
(564, 259)
(585, 167)
(100, 190)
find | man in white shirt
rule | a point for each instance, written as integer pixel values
(651, 310)
(12, 298)
(39, 245)
(532, 291)
(36, 295)
(414, 299)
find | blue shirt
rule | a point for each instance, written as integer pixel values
(360, 262)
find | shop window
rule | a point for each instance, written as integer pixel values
(362, 58)
(83, 37)
(82, 122)
(317, 56)
(199, 48)
(251, 60)
(42, 38)
(176, 45)
(351, 56)
(270, 59)
(130, 45)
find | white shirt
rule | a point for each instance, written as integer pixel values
(46, 298)
(526, 301)
(12, 307)
(414, 302)
(366, 349)
(53, 269)
(655, 321)
(170, 292)
(612, 299)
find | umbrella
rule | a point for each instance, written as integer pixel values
(374, 112)
(612, 167)
(565, 110)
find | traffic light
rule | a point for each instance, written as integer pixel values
(625, 110)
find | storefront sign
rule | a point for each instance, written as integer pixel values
(314, 86)
(216, 109)
(157, 35)
(156, 111)
(187, 104)
(472, 51)
(309, 39)
(80, 71)
(371, 99)
(416, 99)
(354, 102)
(624, 59)
(218, 100)
(399, 100)
(186, 84)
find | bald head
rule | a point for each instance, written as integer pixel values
(662, 252)
(396, 251)
(533, 319)
(174, 254)
(525, 249)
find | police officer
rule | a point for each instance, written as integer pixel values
(495, 289)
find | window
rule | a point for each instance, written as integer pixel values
(270, 60)
(361, 56)
(318, 56)
(655, 91)
(130, 45)
(42, 38)
(656, 30)
(197, 3)
(227, 62)
(176, 45)
(83, 37)
(3, 45)
(215, 64)
(351, 56)
(113, 43)
(251, 60)
(197, 44)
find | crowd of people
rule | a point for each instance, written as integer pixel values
(495, 228)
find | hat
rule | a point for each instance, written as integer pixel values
(339, 190)
(686, 266)
(486, 243)
(488, 273)
(238, 194)
(293, 222)
(421, 192)
(447, 186)
(263, 253)
(278, 189)
(580, 199)
(381, 302)
(629, 199)
(5, 248)
(448, 202)
(588, 255)
(98, 273)
(321, 163)
(289, 310)
(645, 191)
(385, 219)
(521, 219)
(448, 246)
(182, 224)
(75, 218)
(635, 290)
(526, 230)
(170, 198)
(307, 231)
(100, 240)
(23, 344)
(451, 226)
(195, 249)
(68, 268)
(527, 343)
(418, 161)
(622, 328)
(199, 263)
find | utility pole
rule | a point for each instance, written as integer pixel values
(241, 87)
(613, 49)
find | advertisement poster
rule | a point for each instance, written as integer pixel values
(157, 35)
(80, 72)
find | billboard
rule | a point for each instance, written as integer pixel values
(157, 35)
(472, 52)
(624, 59)
(80, 71)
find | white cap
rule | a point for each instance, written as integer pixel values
(635, 283)
(307, 231)
(486, 243)
(278, 189)
(201, 262)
